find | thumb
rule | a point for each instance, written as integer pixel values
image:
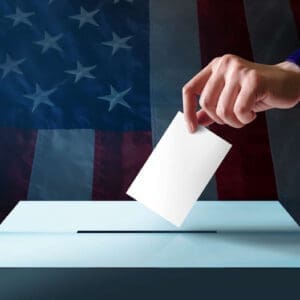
(203, 118)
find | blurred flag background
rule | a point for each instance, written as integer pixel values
(87, 88)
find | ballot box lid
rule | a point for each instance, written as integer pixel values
(74, 216)
(231, 234)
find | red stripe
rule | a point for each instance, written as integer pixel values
(247, 172)
(16, 155)
(118, 158)
(295, 6)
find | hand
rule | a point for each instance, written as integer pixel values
(233, 90)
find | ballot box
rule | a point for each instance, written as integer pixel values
(125, 234)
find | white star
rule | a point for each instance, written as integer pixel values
(86, 17)
(117, 1)
(81, 72)
(40, 97)
(11, 65)
(116, 98)
(118, 43)
(20, 17)
(50, 42)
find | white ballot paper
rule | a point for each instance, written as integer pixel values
(178, 170)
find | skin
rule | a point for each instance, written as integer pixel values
(233, 90)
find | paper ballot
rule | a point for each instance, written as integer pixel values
(178, 170)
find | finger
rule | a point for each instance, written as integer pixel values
(243, 107)
(202, 77)
(203, 118)
(226, 105)
(189, 109)
(210, 97)
(189, 96)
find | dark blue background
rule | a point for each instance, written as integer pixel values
(76, 105)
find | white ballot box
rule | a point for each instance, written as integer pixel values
(126, 234)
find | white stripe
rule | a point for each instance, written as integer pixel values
(273, 36)
(174, 59)
(63, 165)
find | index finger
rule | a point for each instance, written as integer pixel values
(189, 96)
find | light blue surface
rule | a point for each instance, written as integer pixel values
(71, 216)
(250, 234)
(150, 250)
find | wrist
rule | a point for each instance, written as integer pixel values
(292, 71)
(289, 66)
(294, 58)
(292, 63)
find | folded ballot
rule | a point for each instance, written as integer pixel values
(178, 170)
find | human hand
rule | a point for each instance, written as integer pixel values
(233, 90)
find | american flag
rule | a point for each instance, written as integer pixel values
(75, 92)
(87, 87)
